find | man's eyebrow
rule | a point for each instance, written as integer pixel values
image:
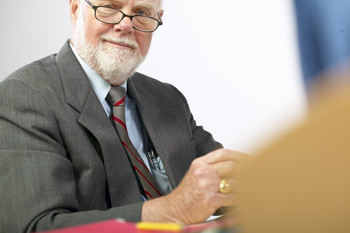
(116, 2)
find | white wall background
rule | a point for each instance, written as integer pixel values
(236, 61)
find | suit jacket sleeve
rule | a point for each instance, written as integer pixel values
(203, 140)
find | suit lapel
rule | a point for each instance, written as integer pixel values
(83, 99)
(166, 131)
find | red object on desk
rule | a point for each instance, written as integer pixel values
(117, 226)
(109, 226)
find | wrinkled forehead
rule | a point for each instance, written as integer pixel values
(155, 4)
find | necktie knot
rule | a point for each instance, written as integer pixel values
(116, 96)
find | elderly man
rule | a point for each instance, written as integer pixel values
(83, 138)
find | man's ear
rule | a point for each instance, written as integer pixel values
(161, 12)
(74, 10)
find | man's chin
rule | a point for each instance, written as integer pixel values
(117, 80)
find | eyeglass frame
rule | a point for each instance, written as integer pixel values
(160, 22)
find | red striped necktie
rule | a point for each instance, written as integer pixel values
(116, 97)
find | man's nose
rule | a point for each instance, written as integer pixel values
(124, 25)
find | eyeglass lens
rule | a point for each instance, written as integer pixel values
(109, 15)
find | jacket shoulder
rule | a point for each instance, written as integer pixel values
(143, 82)
(35, 73)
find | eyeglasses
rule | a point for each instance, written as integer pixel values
(110, 15)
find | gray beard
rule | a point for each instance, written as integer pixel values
(115, 65)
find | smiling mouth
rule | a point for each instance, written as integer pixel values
(120, 44)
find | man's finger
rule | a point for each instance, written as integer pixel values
(222, 155)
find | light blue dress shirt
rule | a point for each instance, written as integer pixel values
(101, 88)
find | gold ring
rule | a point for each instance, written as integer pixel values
(225, 186)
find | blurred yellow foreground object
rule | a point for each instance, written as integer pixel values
(302, 182)
(169, 227)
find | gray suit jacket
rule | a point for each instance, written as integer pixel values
(61, 160)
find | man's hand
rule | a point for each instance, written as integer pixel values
(197, 197)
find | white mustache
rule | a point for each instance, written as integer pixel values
(121, 40)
